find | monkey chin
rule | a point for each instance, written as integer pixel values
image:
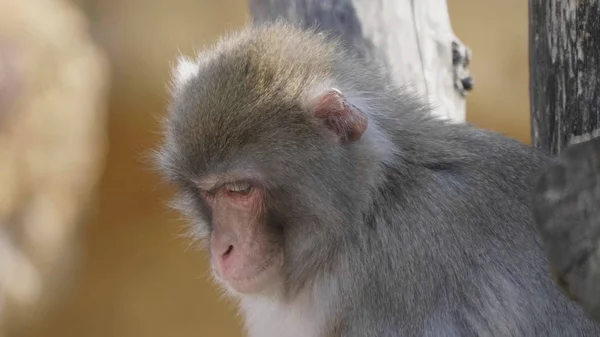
(250, 280)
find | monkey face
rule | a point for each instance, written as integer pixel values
(243, 256)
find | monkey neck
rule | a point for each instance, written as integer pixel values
(312, 312)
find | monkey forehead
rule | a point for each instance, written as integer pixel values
(211, 157)
(217, 141)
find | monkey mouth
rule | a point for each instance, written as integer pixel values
(249, 279)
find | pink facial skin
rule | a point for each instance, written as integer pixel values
(241, 254)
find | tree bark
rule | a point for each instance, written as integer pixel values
(564, 63)
(412, 39)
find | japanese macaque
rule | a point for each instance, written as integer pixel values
(334, 204)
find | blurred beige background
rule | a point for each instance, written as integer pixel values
(138, 278)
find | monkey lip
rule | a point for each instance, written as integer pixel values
(251, 278)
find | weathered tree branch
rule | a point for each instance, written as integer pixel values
(564, 63)
(413, 39)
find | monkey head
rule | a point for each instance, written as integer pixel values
(263, 148)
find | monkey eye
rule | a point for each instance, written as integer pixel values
(240, 188)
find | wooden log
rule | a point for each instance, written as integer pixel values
(564, 63)
(413, 40)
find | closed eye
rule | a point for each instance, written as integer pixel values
(239, 187)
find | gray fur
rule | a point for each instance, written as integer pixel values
(420, 228)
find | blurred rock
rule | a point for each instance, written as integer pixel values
(565, 209)
(53, 86)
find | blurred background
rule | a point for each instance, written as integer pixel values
(87, 245)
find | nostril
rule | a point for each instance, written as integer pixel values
(222, 245)
(229, 250)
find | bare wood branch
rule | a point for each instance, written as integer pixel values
(564, 70)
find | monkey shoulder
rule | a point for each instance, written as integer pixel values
(463, 156)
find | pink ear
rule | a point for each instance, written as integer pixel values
(338, 115)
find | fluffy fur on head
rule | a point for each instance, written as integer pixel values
(184, 70)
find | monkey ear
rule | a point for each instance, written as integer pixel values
(339, 116)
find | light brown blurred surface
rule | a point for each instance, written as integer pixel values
(139, 278)
(53, 86)
(497, 33)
